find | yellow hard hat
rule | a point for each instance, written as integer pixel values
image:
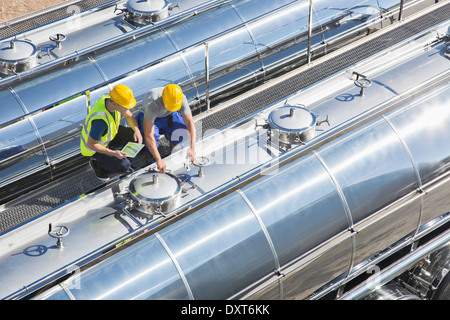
(123, 95)
(172, 97)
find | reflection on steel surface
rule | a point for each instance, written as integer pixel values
(296, 224)
(48, 92)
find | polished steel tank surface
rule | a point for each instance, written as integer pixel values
(212, 49)
(292, 124)
(263, 222)
(234, 242)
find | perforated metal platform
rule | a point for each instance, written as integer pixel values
(83, 181)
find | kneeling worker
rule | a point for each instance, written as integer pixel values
(164, 110)
(103, 138)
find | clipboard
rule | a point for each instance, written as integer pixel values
(132, 149)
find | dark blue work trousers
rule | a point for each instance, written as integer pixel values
(172, 127)
(111, 164)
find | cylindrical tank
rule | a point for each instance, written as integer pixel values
(248, 41)
(285, 235)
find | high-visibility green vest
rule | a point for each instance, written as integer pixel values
(99, 111)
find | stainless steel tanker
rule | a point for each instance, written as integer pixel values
(213, 49)
(258, 216)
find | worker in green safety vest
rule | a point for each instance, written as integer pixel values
(103, 137)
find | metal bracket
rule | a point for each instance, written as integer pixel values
(318, 123)
(121, 10)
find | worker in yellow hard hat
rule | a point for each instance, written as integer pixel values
(165, 110)
(103, 137)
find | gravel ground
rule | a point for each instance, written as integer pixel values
(17, 8)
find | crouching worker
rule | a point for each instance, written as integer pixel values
(103, 137)
(165, 110)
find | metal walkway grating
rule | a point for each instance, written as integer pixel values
(310, 76)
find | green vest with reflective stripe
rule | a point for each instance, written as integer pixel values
(99, 111)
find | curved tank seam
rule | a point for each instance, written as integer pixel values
(338, 189)
(176, 264)
(266, 234)
(33, 125)
(99, 69)
(263, 227)
(347, 210)
(182, 57)
(252, 37)
(416, 170)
